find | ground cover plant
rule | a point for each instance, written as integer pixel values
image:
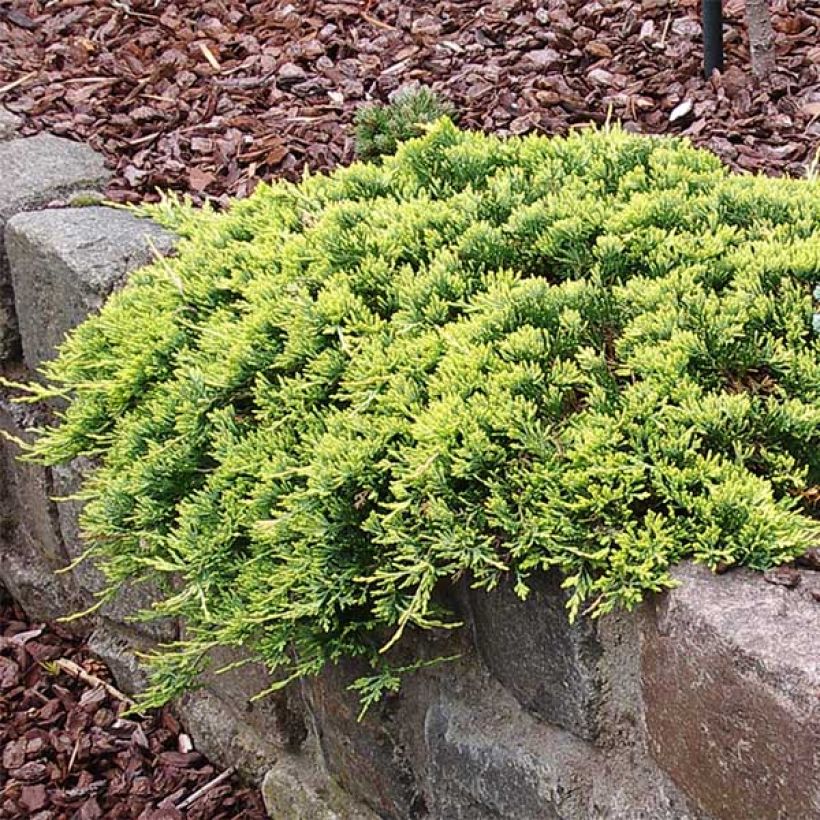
(477, 358)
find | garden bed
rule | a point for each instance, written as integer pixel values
(531, 715)
(210, 97)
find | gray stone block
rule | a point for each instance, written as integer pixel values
(551, 666)
(296, 787)
(129, 600)
(9, 124)
(731, 676)
(487, 758)
(217, 733)
(369, 758)
(65, 262)
(33, 172)
(29, 490)
(455, 743)
(36, 170)
(118, 651)
(488, 761)
(31, 550)
(30, 578)
(236, 680)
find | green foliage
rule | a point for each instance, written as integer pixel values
(86, 199)
(479, 358)
(380, 128)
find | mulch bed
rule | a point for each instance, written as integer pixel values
(211, 96)
(65, 754)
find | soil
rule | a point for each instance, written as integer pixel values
(210, 97)
(68, 753)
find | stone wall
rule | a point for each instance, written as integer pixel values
(703, 704)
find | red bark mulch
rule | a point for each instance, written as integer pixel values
(65, 754)
(210, 96)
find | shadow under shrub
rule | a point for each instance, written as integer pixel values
(481, 356)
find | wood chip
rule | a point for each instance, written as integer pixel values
(225, 73)
(64, 753)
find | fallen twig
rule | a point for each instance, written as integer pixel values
(77, 671)
(73, 756)
(209, 56)
(220, 778)
(375, 22)
(18, 81)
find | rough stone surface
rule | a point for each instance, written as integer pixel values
(488, 758)
(550, 665)
(217, 733)
(731, 675)
(128, 601)
(296, 787)
(31, 579)
(31, 550)
(118, 650)
(30, 490)
(33, 172)
(236, 680)
(368, 757)
(9, 124)
(382, 759)
(37, 170)
(64, 263)
(628, 785)
(487, 761)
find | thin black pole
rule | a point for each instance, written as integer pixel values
(712, 36)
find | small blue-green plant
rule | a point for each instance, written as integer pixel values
(380, 128)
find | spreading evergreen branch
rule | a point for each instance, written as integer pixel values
(479, 357)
